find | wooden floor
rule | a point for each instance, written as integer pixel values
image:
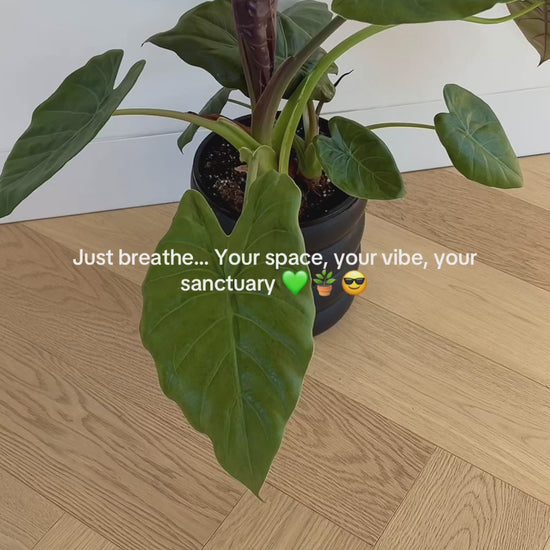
(424, 422)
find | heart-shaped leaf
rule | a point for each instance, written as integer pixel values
(63, 125)
(535, 25)
(359, 162)
(310, 15)
(475, 140)
(395, 12)
(214, 106)
(234, 361)
(205, 37)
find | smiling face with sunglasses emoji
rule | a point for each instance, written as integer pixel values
(354, 283)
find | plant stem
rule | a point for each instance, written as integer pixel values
(241, 103)
(224, 127)
(164, 113)
(268, 104)
(313, 122)
(511, 17)
(400, 125)
(294, 109)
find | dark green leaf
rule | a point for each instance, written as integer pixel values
(233, 361)
(296, 26)
(394, 12)
(310, 15)
(63, 125)
(205, 37)
(475, 140)
(359, 162)
(535, 25)
(214, 106)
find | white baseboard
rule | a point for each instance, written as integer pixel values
(113, 174)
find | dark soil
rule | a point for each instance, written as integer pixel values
(223, 180)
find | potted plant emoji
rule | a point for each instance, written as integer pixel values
(324, 282)
(234, 359)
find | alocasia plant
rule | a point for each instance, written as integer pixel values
(234, 361)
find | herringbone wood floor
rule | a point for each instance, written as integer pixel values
(424, 422)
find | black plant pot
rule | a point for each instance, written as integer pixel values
(338, 231)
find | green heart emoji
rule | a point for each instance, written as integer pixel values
(295, 281)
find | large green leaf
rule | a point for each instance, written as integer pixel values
(310, 15)
(535, 25)
(233, 361)
(205, 37)
(394, 12)
(214, 106)
(296, 27)
(63, 125)
(359, 162)
(475, 140)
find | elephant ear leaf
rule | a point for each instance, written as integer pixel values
(63, 125)
(475, 140)
(233, 359)
(535, 25)
(395, 12)
(358, 162)
(309, 15)
(205, 37)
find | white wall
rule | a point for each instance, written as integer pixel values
(398, 75)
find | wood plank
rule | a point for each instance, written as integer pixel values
(86, 316)
(132, 230)
(86, 322)
(508, 234)
(476, 307)
(347, 463)
(484, 309)
(279, 523)
(536, 173)
(456, 506)
(70, 534)
(129, 475)
(25, 515)
(95, 327)
(418, 378)
(469, 405)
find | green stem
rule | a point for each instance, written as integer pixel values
(498, 20)
(268, 104)
(313, 122)
(241, 103)
(400, 125)
(164, 113)
(290, 117)
(224, 127)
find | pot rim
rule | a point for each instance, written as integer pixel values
(345, 205)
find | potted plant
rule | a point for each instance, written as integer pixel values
(324, 282)
(230, 341)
